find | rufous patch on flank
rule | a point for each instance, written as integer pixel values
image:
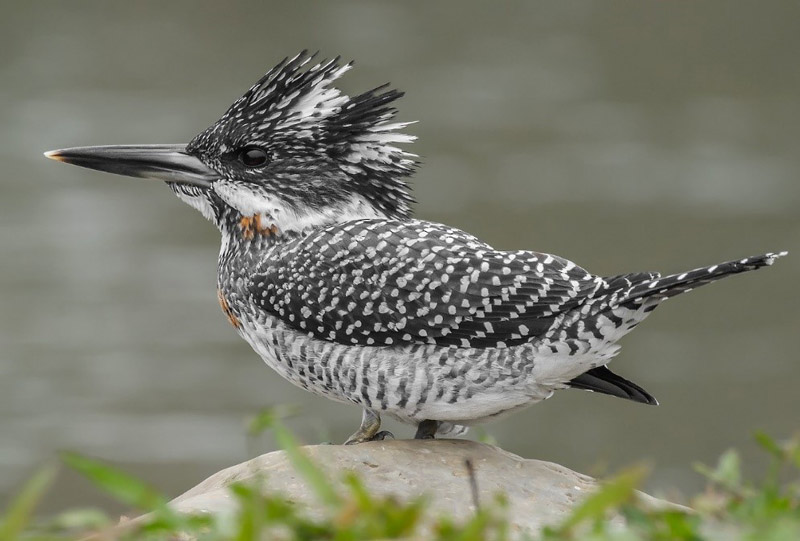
(252, 226)
(223, 303)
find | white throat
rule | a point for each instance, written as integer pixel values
(286, 218)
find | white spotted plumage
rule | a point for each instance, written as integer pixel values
(347, 296)
(538, 331)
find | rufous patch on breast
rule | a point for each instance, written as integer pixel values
(252, 226)
(223, 303)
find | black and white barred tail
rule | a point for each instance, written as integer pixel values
(646, 291)
(661, 288)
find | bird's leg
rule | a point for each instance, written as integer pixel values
(426, 430)
(369, 429)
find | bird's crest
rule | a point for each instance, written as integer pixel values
(294, 104)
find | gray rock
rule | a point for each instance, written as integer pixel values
(539, 493)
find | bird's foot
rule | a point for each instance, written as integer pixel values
(369, 429)
(362, 437)
(426, 430)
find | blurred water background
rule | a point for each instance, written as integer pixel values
(623, 135)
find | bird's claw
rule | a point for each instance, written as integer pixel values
(369, 429)
(378, 436)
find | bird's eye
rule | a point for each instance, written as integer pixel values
(253, 156)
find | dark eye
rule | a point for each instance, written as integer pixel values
(253, 156)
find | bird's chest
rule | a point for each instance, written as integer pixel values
(240, 285)
(231, 292)
(311, 364)
(233, 317)
(238, 264)
(237, 301)
(257, 327)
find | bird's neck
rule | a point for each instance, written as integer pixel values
(247, 232)
(273, 220)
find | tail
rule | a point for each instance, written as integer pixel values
(658, 288)
(603, 380)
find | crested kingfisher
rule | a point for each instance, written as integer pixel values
(327, 276)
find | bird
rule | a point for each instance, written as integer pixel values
(326, 274)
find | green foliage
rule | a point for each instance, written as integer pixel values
(304, 466)
(121, 486)
(266, 418)
(595, 508)
(731, 507)
(18, 515)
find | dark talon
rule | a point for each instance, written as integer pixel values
(382, 435)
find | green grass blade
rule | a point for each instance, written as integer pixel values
(304, 466)
(727, 474)
(265, 418)
(21, 508)
(769, 445)
(120, 485)
(610, 495)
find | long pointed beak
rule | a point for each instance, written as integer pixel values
(169, 163)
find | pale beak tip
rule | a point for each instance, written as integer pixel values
(54, 155)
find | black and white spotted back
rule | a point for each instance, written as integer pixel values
(383, 282)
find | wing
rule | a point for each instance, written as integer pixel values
(390, 282)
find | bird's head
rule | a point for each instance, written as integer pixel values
(292, 153)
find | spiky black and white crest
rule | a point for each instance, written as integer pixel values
(295, 114)
(290, 101)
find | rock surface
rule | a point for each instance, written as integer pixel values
(539, 493)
